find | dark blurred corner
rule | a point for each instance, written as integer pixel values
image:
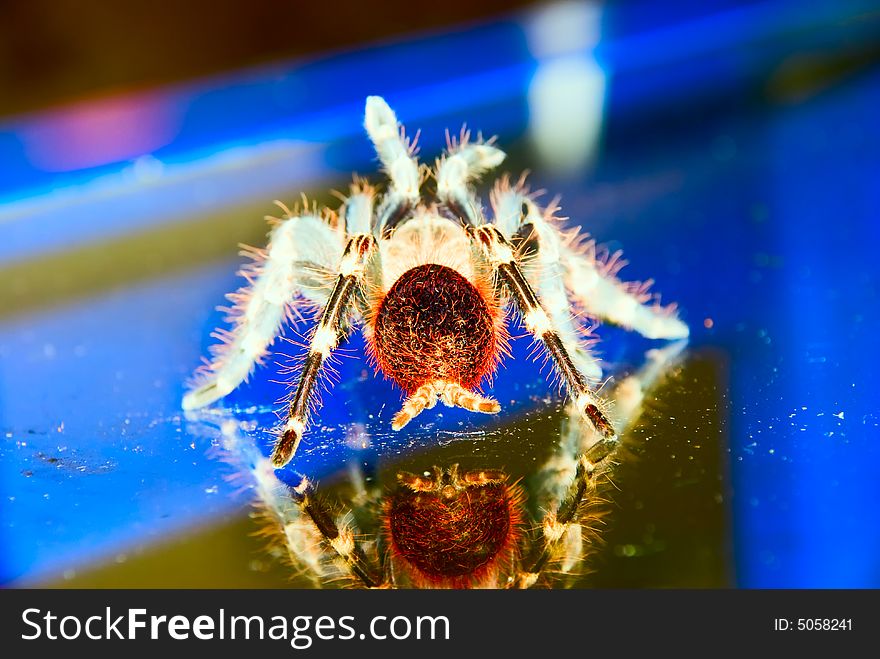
(56, 51)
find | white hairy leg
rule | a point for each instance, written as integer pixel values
(595, 287)
(298, 534)
(513, 210)
(299, 249)
(501, 256)
(357, 210)
(351, 276)
(463, 163)
(397, 157)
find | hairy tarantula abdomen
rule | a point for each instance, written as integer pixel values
(434, 325)
(454, 531)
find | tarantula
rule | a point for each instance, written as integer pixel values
(429, 280)
(450, 528)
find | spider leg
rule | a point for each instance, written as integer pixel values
(304, 528)
(463, 163)
(591, 465)
(517, 216)
(357, 209)
(500, 254)
(349, 285)
(575, 267)
(283, 526)
(628, 394)
(397, 157)
(340, 539)
(301, 251)
(595, 287)
(561, 470)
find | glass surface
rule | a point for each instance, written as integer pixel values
(756, 461)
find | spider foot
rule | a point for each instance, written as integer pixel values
(287, 442)
(589, 406)
(205, 395)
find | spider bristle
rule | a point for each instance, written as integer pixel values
(361, 185)
(330, 377)
(551, 212)
(640, 290)
(284, 209)
(610, 263)
(412, 145)
(331, 217)
(339, 195)
(580, 243)
(504, 185)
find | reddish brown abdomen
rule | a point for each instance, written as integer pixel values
(457, 540)
(433, 324)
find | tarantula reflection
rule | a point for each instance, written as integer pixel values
(429, 281)
(449, 528)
